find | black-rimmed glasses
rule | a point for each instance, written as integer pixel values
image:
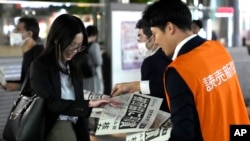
(72, 48)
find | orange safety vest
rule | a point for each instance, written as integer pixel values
(209, 72)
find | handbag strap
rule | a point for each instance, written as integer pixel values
(25, 81)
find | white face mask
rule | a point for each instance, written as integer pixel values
(144, 50)
(16, 39)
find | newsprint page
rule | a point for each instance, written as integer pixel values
(138, 116)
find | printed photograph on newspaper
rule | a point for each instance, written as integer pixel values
(159, 131)
(136, 113)
(158, 134)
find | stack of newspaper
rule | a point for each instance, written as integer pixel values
(138, 116)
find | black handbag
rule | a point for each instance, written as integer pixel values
(26, 119)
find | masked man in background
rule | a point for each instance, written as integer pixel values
(26, 36)
(152, 67)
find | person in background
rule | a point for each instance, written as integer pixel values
(26, 36)
(214, 36)
(56, 76)
(95, 83)
(106, 69)
(197, 28)
(152, 67)
(203, 92)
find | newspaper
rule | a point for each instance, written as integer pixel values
(159, 131)
(89, 95)
(158, 134)
(96, 112)
(136, 113)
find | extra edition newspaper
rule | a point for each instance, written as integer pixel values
(137, 113)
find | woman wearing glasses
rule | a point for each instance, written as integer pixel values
(56, 76)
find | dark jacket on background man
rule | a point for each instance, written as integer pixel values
(152, 69)
(28, 57)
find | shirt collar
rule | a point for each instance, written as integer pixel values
(155, 50)
(180, 45)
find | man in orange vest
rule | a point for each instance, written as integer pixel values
(201, 84)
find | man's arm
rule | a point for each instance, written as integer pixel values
(183, 111)
(131, 87)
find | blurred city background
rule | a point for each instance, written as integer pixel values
(229, 19)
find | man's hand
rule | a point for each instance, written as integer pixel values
(12, 86)
(104, 101)
(128, 87)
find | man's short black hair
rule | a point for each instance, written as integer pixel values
(198, 23)
(30, 24)
(142, 24)
(92, 30)
(159, 13)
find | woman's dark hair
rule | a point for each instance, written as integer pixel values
(62, 33)
(30, 24)
(161, 12)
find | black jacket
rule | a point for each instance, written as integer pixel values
(152, 69)
(28, 57)
(45, 81)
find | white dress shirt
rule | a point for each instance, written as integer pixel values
(67, 93)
